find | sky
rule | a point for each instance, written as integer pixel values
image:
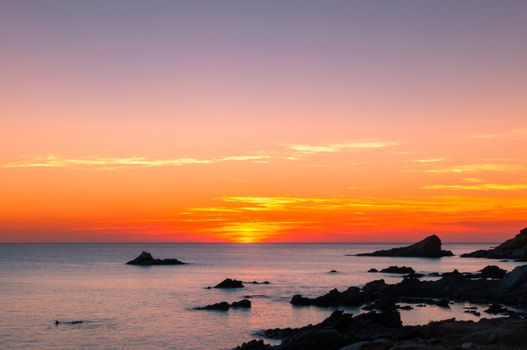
(262, 121)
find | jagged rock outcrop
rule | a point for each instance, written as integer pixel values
(430, 247)
(146, 259)
(515, 248)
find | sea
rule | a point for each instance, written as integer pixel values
(132, 307)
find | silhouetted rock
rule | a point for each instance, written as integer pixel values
(57, 322)
(397, 269)
(430, 247)
(229, 283)
(224, 306)
(256, 282)
(146, 259)
(333, 271)
(492, 271)
(515, 248)
(246, 304)
(350, 297)
(383, 331)
(373, 270)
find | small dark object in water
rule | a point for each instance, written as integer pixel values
(57, 322)
(225, 306)
(333, 271)
(373, 270)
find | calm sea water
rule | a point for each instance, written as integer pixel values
(129, 307)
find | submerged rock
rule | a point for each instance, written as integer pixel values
(229, 283)
(430, 247)
(515, 248)
(146, 259)
(57, 322)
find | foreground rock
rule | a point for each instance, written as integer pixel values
(225, 306)
(342, 331)
(430, 247)
(455, 286)
(146, 259)
(229, 283)
(515, 248)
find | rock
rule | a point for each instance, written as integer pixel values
(515, 248)
(57, 322)
(350, 297)
(333, 271)
(373, 270)
(472, 312)
(492, 271)
(225, 306)
(405, 307)
(254, 345)
(146, 259)
(397, 269)
(242, 304)
(256, 282)
(430, 247)
(229, 283)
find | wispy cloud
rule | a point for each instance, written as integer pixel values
(514, 134)
(474, 168)
(430, 160)
(55, 161)
(342, 147)
(478, 187)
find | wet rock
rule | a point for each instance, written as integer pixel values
(146, 259)
(430, 247)
(492, 271)
(57, 322)
(242, 304)
(373, 270)
(515, 248)
(225, 306)
(256, 282)
(333, 271)
(398, 269)
(229, 283)
(350, 297)
(254, 345)
(472, 312)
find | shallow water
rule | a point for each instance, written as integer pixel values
(130, 307)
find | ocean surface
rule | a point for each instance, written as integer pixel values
(130, 307)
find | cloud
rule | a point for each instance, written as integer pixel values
(514, 134)
(474, 168)
(342, 147)
(53, 161)
(478, 187)
(430, 160)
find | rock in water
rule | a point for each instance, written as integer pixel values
(430, 247)
(515, 248)
(398, 269)
(225, 306)
(146, 259)
(229, 283)
(492, 271)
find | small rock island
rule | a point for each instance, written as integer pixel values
(146, 259)
(430, 247)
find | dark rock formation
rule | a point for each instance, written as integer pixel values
(397, 269)
(372, 270)
(256, 282)
(57, 322)
(225, 306)
(333, 271)
(370, 331)
(492, 271)
(430, 247)
(515, 248)
(146, 259)
(229, 283)
(512, 290)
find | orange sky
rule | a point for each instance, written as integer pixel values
(262, 124)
